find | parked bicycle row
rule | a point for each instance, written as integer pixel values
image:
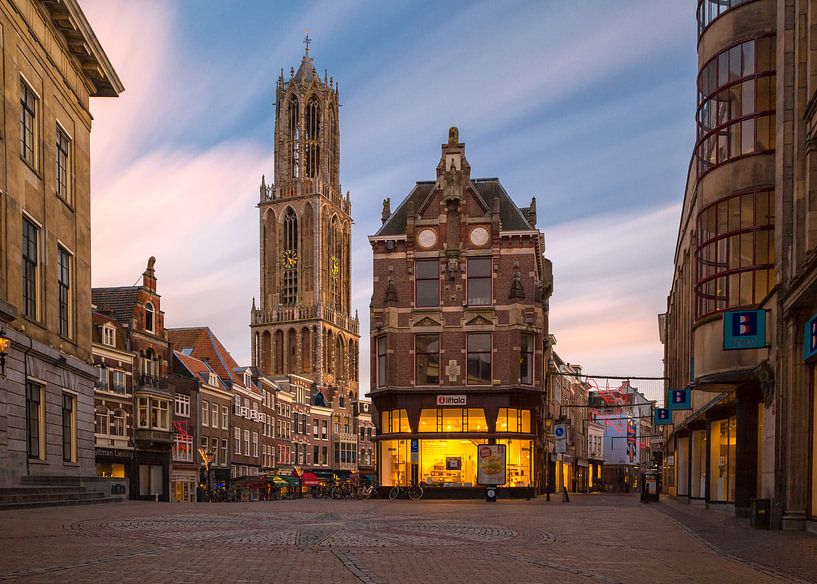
(323, 491)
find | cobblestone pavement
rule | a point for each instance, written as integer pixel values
(593, 539)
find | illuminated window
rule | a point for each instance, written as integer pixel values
(513, 420)
(427, 359)
(518, 465)
(453, 420)
(394, 421)
(448, 463)
(735, 257)
(722, 445)
(427, 283)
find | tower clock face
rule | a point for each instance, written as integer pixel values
(334, 266)
(290, 259)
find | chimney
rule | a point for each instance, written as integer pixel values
(149, 275)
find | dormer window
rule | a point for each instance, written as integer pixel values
(108, 336)
(213, 379)
(150, 318)
(247, 379)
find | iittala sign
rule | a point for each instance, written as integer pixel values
(450, 400)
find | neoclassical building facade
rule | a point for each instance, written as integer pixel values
(302, 323)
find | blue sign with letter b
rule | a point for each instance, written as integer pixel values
(744, 329)
(680, 399)
(663, 416)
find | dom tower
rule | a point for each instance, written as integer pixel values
(303, 324)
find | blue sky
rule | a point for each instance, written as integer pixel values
(586, 105)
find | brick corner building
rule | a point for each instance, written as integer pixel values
(459, 333)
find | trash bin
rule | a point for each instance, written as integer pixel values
(490, 494)
(760, 513)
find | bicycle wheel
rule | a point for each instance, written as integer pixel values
(394, 493)
(415, 493)
(364, 493)
(337, 493)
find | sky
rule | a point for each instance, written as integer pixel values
(588, 106)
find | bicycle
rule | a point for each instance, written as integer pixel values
(343, 491)
(365, 492)
(415, 492)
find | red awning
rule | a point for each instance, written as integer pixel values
(310, 480)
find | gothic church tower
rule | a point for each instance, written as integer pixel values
(303, 324)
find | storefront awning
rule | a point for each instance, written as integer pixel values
(310, 480)
(276, 480)
(324, 475)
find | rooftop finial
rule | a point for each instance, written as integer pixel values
(307, 40)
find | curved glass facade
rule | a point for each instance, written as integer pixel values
(736, 103)
(709, 10)
(735, 256)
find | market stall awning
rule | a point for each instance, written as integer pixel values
(310, 480)
(277, 481)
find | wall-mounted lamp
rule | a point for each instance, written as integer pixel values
(5, 343)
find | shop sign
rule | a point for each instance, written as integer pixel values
(415, 451)
(451, 400)
(663, 417)
(560, 431)
(561, 446)
(113, 453)
(744, 329)
(680, 399)
(810, 338)
(491, 464)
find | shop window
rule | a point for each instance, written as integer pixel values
(427, 283)
(479, 358)
(448, 463)
(518, 466)
(513, 420)
(722, 443)
(394, 421)
(394, 463)
(479, 281)
(698, 478)
(682, 466)
(110, 470)
(526, 359)
(427, 359)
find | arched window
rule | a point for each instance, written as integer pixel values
(335, 263)
(332, 145)
(290, 259)
(294, 137)
(150, 317)
(312, 145)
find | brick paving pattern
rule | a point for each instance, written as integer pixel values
(592, 539)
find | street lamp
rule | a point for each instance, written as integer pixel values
(5, 343)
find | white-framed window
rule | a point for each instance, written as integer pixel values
(255, 443)
(29, 127)
(101, 420)
(160, 414)
(214, 415)
(118, 423)
(182, 405)
(63, 161)
(142, 412)
(225, 417)
(31, 269)
(247, 442)
(108, 335)
(183, 447)
(64, 304)
(102, 376)
(119, 381)
(223, 452)
(237, 405)
(150, 317)
(237, 437)
(213, 379)
(205, 413)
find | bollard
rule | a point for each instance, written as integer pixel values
(155, 497)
